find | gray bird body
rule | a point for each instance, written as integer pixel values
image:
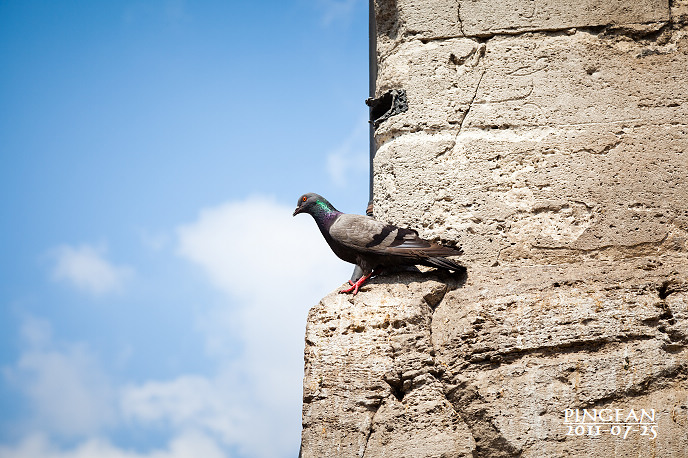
(371, 244)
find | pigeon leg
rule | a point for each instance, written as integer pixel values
(358, 273)
(355, 286)
(359, 282)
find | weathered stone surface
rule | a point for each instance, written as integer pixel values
(521, 345)
(434, 19)
(370, 384)
(538, 146)
(492, 368)
(485, 17)
(549, 139)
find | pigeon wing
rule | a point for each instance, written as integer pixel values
(367, 235)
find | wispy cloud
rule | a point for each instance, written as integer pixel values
(217, 405)
(183, 400)
(67, 390)
(86, 268)
(271, 268)
(336, 10)
(350, 158)
(70, 396)
(156, 241)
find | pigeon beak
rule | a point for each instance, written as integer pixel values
(297, 211)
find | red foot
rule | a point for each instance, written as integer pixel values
(358, 284)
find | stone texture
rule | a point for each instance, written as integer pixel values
(538, 145)
(433, 19)
(550, 140)
(679, 11)
(363, 355)
(562, 337)
(528, 15)
(421, 366)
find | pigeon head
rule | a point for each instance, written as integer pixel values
(313, 204)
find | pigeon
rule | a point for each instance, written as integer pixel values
(373, 245)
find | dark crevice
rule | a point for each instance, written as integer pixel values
(394, 377)
(677, 339)
(653, 31)
(439, 373)
(397, 386)
(668, 316)
(663, 290)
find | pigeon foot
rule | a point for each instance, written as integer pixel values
(358, 284)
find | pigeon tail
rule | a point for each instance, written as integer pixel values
(443, 263)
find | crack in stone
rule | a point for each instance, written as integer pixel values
(370, 430)
(625, 248)
(471, 406)
(471, 419)
(439, 373)
(511, 355)
(602, 31)
(481, 51)
(470, 105)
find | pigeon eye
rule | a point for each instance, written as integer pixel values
(304, 198)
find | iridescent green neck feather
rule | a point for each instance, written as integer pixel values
(324, 206)
(323, 212)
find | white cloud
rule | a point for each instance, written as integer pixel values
(67, 390)
(86, 268)
(273, 267)
(350, 157)
(180, 401)
(255, 248)
(226, 406)
(186, 445)
(193, 402)
(70, 396)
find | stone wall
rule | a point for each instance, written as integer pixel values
(550, 140)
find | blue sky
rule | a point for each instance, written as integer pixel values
(154, 284)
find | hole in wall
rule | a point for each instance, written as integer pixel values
(387, 105)
(397, 389)
(663, 290)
